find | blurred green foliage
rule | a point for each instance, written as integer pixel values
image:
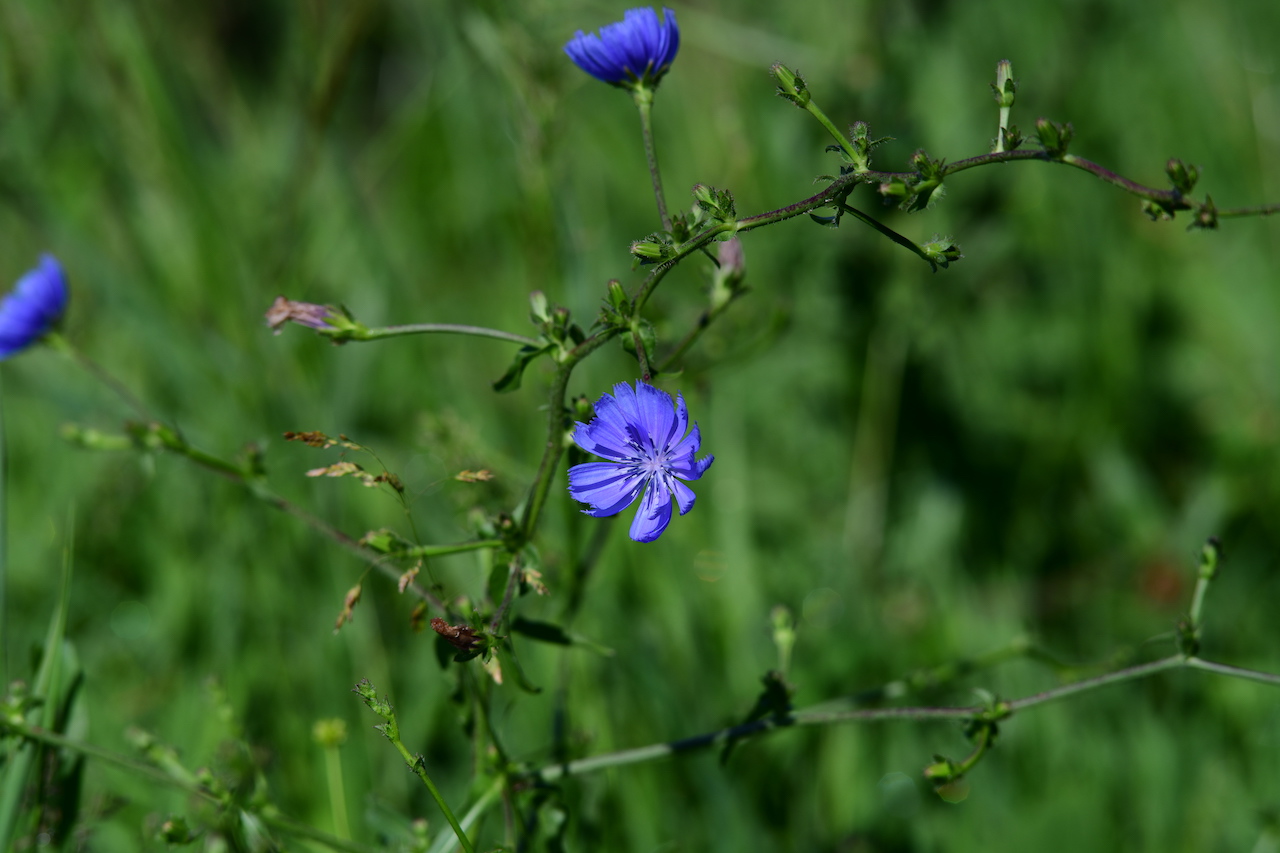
(920, 466)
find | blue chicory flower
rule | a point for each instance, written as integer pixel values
(645, 441)
(33, 307)
(632, 52)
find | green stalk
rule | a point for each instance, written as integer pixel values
(446, 841)
(337, 790)
(555, 431)
(418, 765)
(818, 717)
(382, 332)
(643, 97)
(442, 550)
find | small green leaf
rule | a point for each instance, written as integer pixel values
(545, 632)
(510, 380)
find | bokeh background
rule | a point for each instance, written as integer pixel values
(921, 467)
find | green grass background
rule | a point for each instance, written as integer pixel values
(920, 466)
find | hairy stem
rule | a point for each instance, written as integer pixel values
(382, 332)
(818, 717)
(644, 103)
(555, 431)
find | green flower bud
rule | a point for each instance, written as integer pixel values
(650, 251)
(538, 308)
(1005, 86)
(1182, 176)
(1054, 137)
(790, 85)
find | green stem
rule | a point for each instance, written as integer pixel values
(1234, 671)
(442, 550)
(509, 591)
(1130, 673)
(705, 319)
(555, 431)
(98, 372)
(643, 96)
(418, 765)
(888, 232)
(1210, 555)
(337, 790)
(1004, 125)
(382, 332)
(814, 110)
(170, 440)
(642, 356)
(446, 840)
(816, 717)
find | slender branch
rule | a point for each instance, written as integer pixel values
(1235, 671)
(382, 332)
(555, 430)
(1257, 210)
(100, 373)
(705, 319)
(817, 717)
(641, 355)
(391, 731)
(442, 550)
(513, 580)
(888, 232)
(841, 186)
(1127, 674)
(644, 103)
(156, 435)
(446, 841)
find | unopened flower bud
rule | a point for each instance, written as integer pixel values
(1005, 86)
(1182, 176)
(1054, 137)
(733, 261)
(617, 298)
(790, 85)
(649, 251)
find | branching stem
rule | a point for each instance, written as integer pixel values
(382, 332)
(818, 717)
